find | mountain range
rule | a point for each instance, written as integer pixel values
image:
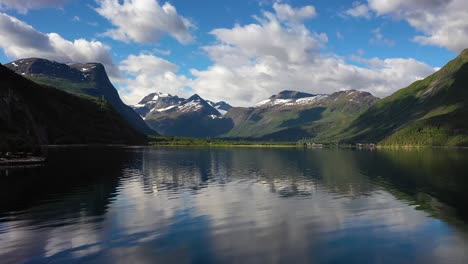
(432, 111)
(286, 116)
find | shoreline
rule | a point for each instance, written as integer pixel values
(254, 145)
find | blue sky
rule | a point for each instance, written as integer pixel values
(241, 51)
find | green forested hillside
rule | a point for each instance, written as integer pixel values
(293, 120)
(433, 111)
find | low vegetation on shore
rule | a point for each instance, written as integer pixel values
(185, 141)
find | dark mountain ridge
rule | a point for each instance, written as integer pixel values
(33, 114)
(78, 78)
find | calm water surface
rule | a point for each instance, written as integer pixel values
(235, 205)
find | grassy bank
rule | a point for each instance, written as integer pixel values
(181, 141)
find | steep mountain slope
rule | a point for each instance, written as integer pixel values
(32, 114)
(174, 116)
(89, 79)
(291, 115)
(156, 101)
(433, 111)
(221, 106)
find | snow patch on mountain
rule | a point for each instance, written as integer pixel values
(165, 109)
(190, 106)
(160, 95)
(291, 102)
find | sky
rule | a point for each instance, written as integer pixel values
(241, 51)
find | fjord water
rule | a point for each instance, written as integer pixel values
(229, 205)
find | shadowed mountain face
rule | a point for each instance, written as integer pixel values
(432, 111)
(32, 114)
(78, 78)
(221, 106)
(288, 94)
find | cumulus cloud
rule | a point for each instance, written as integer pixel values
(268, 38)
(252, 62)
(287, 13)
(146, 63)
(402, 6)
(20, 40)
(23, 6)
(144, 21)
(442, 23)
(148, 74)
(359, 10)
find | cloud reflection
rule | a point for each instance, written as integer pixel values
(229, 205)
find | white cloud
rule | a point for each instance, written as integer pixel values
(285, 12)
(144, 21)
(146, 63)
(442, 23)
(165, 52)
(359, 10)
(149, 74)
(20, 40)
(402, 6)
(23, 6)
(384, 76)
(268, 38)
(252, 62)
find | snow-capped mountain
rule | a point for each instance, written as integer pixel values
(300, 99)
(194, 117)
(156, 103)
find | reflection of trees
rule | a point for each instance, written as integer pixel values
(423, 176)
(81, 182)
(66, 199)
